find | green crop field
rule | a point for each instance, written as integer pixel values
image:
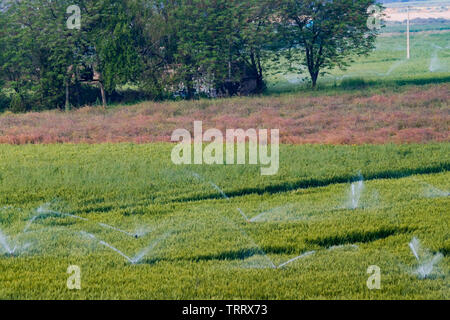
(140, 227)
(93, 206)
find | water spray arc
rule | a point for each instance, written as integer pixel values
(5, 244)
(356, 190)
(426, 264)
(222, 193)
(133, 260)
(43, 212)
(272, 265)
(260, 250)
(91, 236)
(296, 258)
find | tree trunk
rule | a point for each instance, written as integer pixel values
(100, 81)
(78, 92)
(67, 96)
(190, 92)
(189, 87)
(257, 71)
(77, 86)
(102, 91)
(314, 77)
(260, 85)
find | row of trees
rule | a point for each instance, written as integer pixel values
(163, 48)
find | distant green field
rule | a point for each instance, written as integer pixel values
(193, 241)
(430, 62)
(401, 27)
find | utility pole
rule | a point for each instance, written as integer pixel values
(408, 55)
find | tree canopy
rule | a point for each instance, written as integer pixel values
(168, 48)
(326, 33)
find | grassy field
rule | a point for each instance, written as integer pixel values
(364, 171)
(387, 65)
(183, 227)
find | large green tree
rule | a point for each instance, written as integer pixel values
(256, 38)
(20, 56)
(43, 56)
(109, 42)
(156, 43)
(324, 34)
(224, 41)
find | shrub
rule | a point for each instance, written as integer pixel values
(18, 103)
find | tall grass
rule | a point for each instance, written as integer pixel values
(413, 114)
